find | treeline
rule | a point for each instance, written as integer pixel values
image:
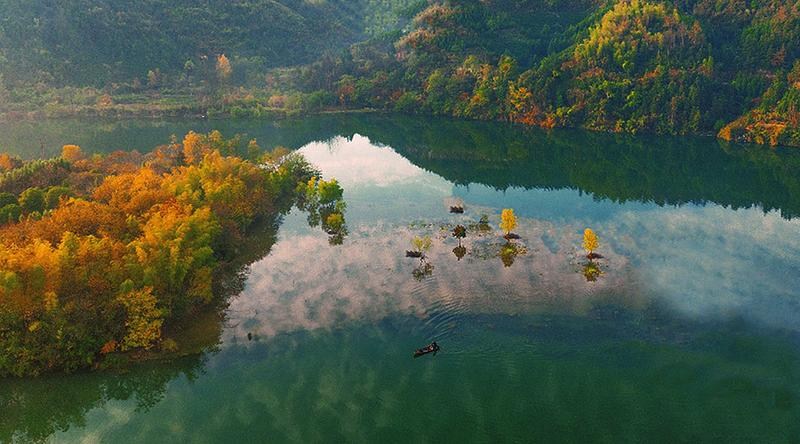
(625, 66)
(724, 67)
(98, 254)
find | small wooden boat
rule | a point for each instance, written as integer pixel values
(457, 209)
(433, 347)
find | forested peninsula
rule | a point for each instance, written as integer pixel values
(100, 255)
(724, 67)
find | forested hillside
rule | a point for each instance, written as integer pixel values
(674, 67)
(92, 42)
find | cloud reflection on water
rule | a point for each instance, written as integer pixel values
(704, 261)
(305, 284)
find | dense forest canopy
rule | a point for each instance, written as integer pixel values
(99, 254)
(90, 42)
(674, 67)
(625, 66)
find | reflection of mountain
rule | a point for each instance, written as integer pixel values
(664, 170)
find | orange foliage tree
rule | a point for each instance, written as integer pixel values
(107, 265)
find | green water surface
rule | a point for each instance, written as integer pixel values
(691, 333)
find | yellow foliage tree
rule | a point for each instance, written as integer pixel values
(192, 147)
(224, 69)
(71, 153)
(144, 319)
(508, 221)
(422, 244)
(590, 242)
(6, 162)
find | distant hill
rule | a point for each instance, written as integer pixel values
(676, 67)
(727, 67)
(91, 42)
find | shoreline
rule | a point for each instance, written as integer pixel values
(121, 112)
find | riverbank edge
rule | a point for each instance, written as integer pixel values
(152, 111)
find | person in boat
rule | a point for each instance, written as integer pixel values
(431, 348)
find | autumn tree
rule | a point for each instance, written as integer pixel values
(192, 147)
(590, 242)
(224, 69)
(421, 243)
(508, 221)
(71, 153)
(7, 162)
(143, 319)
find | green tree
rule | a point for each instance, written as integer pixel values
(10, 213)
(32, 200)
(7, 199)
(53, 196)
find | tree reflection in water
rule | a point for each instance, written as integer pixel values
(591, 271)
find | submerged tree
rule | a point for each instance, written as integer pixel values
(483, 223)
(508, 221)
(421, 244)
(590, 244)
(424, 270)
(459, 232)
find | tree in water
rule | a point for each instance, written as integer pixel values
(421, 244)
(590, 244)
(459, 232)
(508, 221)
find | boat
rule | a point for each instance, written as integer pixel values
(433, 347)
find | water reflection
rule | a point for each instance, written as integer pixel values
(591, 271)
(497, 378)
(658, 170)
(460, 251)
(690, 257)
(686, 324)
